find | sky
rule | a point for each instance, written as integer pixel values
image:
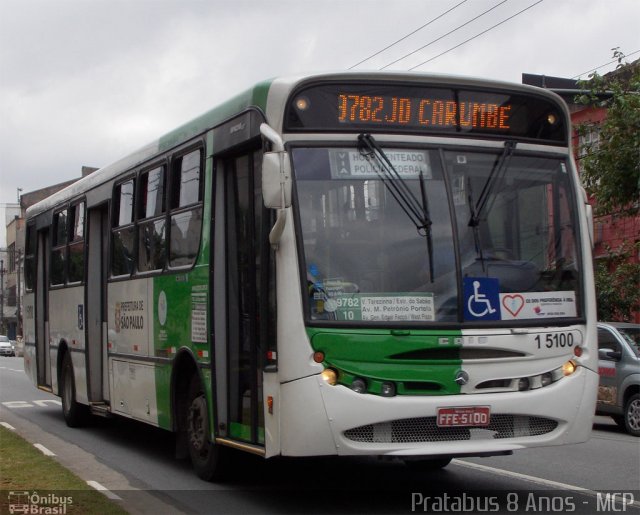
(85, 82)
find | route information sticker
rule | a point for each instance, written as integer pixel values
(391, 307)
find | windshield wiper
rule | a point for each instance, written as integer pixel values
(497, 172)
(499, 167)
(416, 209)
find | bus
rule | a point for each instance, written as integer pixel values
(390, 264)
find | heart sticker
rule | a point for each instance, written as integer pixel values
(513, 304)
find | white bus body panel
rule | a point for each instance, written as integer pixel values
(134, 390)
(29, 334)
(129, 334)
(67, 324)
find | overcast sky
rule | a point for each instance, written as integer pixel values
(84, 82)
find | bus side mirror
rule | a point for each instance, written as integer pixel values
(276, 172)
(588, 209)
(276, 180)
(592, 235)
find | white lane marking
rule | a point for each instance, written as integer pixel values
(532, 479)
(43, 403)
(104, 490)
(7, 425)
(43, 449)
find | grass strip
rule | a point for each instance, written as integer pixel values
(35, 482)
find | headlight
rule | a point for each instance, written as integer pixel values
(359, 385)
(330, 376)
(388, 389)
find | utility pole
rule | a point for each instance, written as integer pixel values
(2, 271)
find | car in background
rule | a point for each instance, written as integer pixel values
(6, 348)
(619, 369)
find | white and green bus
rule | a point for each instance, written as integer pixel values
(336, 264)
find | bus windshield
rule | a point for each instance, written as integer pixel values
(500, 245)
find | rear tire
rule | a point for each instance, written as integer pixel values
(75, 414)
(208, 459)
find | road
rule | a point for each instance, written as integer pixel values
(135, 463)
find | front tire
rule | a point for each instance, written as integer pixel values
(207, 458)
(427, 465)
(632, 415)
(73, 412)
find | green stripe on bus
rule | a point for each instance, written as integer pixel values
(420, 362)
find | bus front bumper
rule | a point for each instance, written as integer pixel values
(320, 419)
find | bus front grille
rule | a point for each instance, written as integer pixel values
(425, 429)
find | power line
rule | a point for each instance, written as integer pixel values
(477, 35)
(445, 35)
(410, 34)
(602, 65)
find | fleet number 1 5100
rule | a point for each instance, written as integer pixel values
(554, 340)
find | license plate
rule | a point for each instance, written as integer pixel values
(466, 416)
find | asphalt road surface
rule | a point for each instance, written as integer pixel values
(135, 465)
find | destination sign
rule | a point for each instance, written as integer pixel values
(451, 111)
(422, 111)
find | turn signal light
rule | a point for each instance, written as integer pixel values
(569, 368)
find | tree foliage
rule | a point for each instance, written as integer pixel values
(617, 292)
(610, 170)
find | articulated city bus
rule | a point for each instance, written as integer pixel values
(336, 264)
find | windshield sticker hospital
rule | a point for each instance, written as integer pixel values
(483, 301)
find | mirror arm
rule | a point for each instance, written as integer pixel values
(271, 135)
(278, 148)
(278, 229)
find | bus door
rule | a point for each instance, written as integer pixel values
(43, 356)
(250, 294)
(96, 298)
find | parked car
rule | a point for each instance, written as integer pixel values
(6, 348)
(619, 368)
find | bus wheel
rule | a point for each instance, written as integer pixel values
(426, 464)
(632, 415)
(74, 413)
(207, 457)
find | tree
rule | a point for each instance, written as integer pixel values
(611, 169)
(617, 292)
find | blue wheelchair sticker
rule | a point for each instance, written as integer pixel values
(481, 298)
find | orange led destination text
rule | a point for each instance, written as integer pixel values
(422, 111)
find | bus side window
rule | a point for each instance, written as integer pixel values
(123, 251)
(152, 222)
(76, 242)
(59, 248)
(186, 209)
(30, 258)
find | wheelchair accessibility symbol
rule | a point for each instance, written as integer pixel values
(481, 298)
